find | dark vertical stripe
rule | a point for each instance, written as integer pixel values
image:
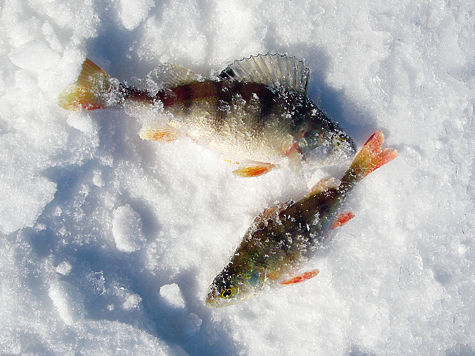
(222, 102)
(137, 95)
(268, 100)
(185, 97)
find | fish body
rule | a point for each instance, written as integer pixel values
(256, 112)
(285, 237)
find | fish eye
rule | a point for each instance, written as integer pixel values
(227, 292)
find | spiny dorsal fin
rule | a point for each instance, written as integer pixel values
(277, 70)
(172, 75)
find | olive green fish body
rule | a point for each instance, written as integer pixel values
(284, 238)
(276, 246)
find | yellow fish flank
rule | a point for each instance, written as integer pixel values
(256, 112)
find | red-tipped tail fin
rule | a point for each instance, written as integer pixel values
(371, 156)
(94, 89)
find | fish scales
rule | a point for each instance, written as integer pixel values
(218, 109)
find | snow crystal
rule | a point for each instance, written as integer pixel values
(34, 56)
(133, 12)
(67, 301)
(172, 296)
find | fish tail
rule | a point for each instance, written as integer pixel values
(94, 89)
(371, 157)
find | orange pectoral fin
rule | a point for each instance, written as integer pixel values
(342, 219)
(163, 133)
(254, 170)
(301, 278)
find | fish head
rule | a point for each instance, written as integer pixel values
(323, 141)
(233, 285)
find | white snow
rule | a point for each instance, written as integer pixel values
(110, 242)
(127, 229)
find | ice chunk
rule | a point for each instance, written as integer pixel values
(133, 12)
(67, 301)
(127, 229)
(97, 178)
(172, 296)
(30, 197)
(64, 268)
(83, 123)
(132, 301)
(192, 324)
(35, 56)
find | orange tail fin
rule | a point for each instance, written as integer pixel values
(371, 156)
(94, 89)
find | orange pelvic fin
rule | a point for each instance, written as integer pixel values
(163, 133)
(254, 170)
(301, 278)
(293, 150)
(91, 90)
(371, 156)
(342, 219)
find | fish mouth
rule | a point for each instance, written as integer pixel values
(213, 301)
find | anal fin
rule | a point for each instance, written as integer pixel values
(254, 170)
(163, 133)
(342, 219)
(301, 278)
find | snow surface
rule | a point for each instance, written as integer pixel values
(109, 242)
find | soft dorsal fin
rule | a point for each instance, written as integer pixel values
(269, 214)
(271, 69)
(172, 75)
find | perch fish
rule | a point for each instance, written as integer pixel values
(256, 112)
(283, 238)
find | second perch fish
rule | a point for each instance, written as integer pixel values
(283, 238)
(256, 112)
